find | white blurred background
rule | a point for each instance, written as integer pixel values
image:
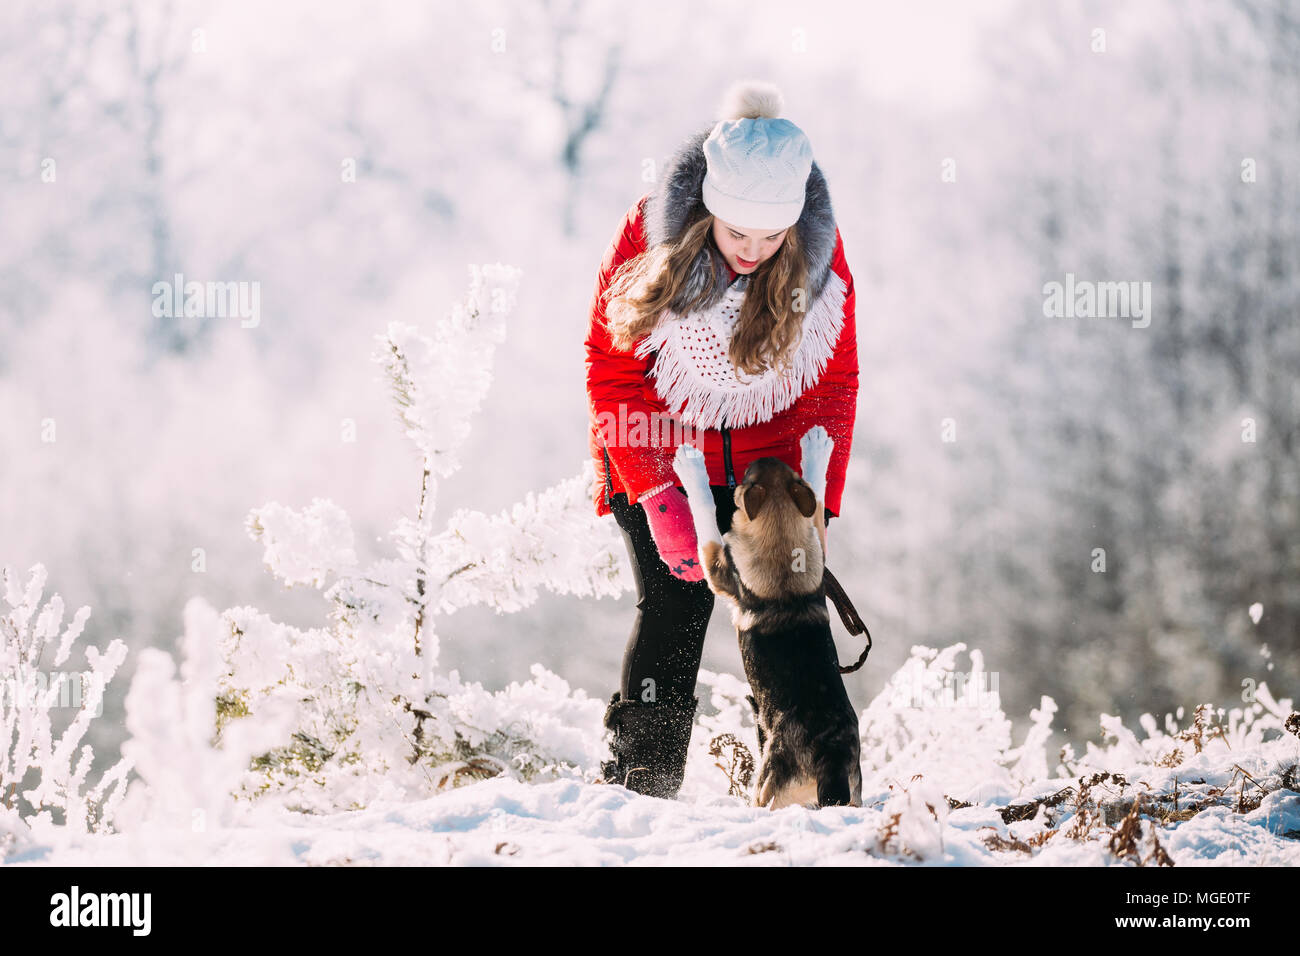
(208, 139)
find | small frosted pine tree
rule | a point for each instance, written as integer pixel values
(375, 717)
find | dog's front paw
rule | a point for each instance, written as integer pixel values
(816, 447)
(689, 465)
(816, 441)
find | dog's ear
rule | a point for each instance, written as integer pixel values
(753, 496)
(804, 498)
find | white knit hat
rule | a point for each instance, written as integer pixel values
(758, 165)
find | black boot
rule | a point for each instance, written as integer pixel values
(649, 745)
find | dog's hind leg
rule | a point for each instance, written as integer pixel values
(800, 792)
(780, 784)
(833, 790)
(837, 770)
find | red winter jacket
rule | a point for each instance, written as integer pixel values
(617, 378)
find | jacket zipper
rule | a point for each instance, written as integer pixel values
(609, 480)
(726, 456)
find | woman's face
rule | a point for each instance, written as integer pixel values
(746, 249)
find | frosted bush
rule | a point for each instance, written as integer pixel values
(185, 774)
(914, 819)
(1186, 740)
(44, 768)
(919, 723)
(373, 716)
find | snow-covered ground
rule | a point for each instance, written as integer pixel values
(1236, 804)
(513, 823)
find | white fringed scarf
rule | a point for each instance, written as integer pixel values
(700, 386)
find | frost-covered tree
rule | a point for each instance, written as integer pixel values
(373, 714)
(44, 767)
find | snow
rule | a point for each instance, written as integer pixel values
(180, 815)
(508, 822)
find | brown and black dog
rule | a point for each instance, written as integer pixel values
(770, 566)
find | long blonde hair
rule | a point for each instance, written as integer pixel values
(771, 314)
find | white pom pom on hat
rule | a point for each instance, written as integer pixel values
(758, 163)
(752, 99)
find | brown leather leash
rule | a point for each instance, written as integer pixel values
(849, 615)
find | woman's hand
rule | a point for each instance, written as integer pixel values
(669, 516)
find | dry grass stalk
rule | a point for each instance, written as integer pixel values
(1171, 759)
(1201, 731)
(1125, 841)
(995, 841)
(1027, 811)
(477, 768)
(740, 769)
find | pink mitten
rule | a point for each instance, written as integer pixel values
(673, 530)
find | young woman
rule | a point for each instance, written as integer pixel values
(723, 317)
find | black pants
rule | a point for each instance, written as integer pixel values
(663, 653)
